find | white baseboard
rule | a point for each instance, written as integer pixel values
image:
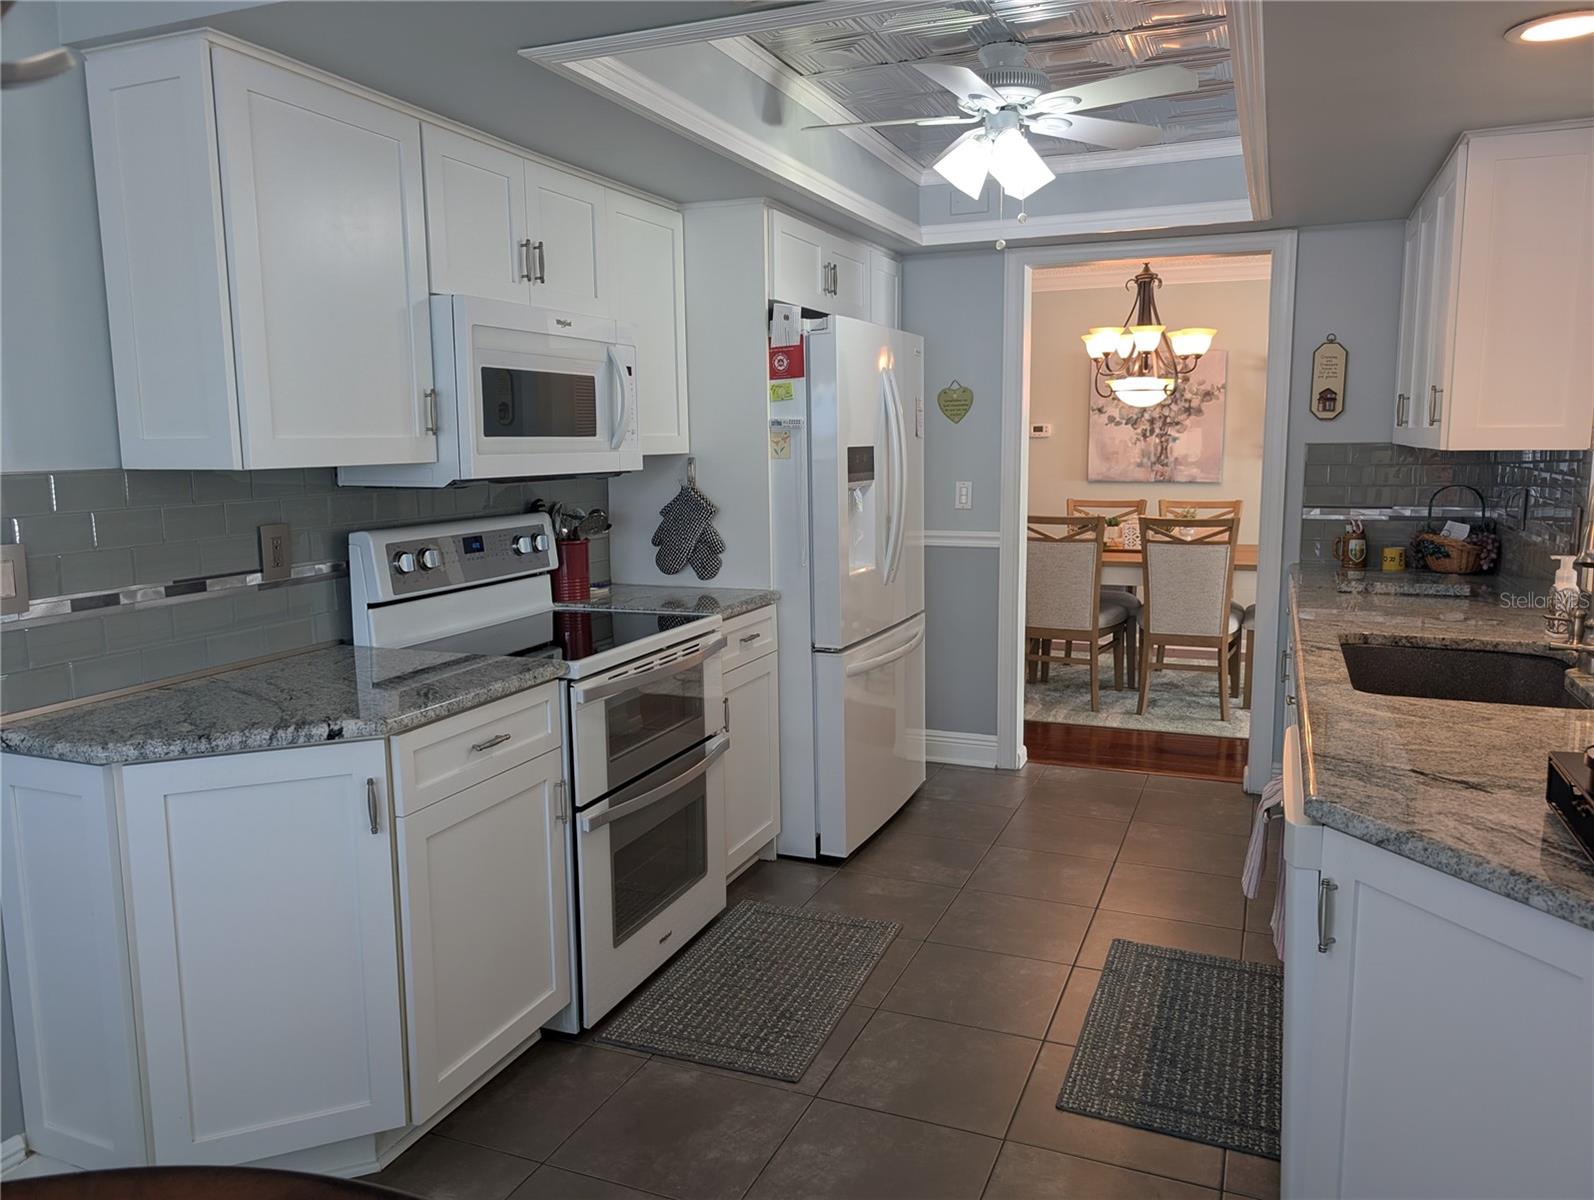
(960, 749)
(12, 1151)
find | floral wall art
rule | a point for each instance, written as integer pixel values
(1177, 441)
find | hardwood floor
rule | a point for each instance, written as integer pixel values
(1186, 754)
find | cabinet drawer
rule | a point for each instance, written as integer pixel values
(747, 637)
(448, 756)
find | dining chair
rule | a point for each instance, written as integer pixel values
(1063, 601)
(1189, 582)
(1111, 509)
(1213, 509)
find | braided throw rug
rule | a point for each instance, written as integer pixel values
(759, 991)
(1184, 1044)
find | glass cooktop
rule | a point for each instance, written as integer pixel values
(571, 636)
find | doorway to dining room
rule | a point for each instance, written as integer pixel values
(1141, 542)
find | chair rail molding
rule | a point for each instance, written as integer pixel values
(989, 539)
(1020, 266)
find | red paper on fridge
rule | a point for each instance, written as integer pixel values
(786, 362)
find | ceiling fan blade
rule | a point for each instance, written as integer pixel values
(1120, 89)
(1096, 131)
(963, 83)
(957, 120)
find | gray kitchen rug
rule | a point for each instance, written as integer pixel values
(1184, 1044)
(759, 991)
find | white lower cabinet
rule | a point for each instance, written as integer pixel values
(482, 886)
(752, 764)
(261, 890)
(1449, 1047)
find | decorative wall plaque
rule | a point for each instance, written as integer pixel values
(1328, 379)
(955, 400)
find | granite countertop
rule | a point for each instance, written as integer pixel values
(337, 693)
(1455, 785)
(670, 598)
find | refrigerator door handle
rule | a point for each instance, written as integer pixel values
(899, 466)
(890, 656)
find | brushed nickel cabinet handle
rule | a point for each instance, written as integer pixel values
(560, 813)
(371, 804)
(1325, 914)
(498, 739)
(749, 637)
(541, 275)
(1435, 404)
(1400, 410)
(430, 396)
(525, 260)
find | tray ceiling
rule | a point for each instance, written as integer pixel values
(862, 61)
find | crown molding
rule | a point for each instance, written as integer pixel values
(1250, 100)
(1112, 220)
(1201, 269)
(636, 91)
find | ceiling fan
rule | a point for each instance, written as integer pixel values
(1010, 99)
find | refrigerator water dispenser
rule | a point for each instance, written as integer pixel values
(862, 519)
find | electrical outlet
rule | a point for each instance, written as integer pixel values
(963, 494)
(276, 553)
(13, 580)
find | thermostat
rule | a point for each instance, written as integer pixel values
(1040, 429)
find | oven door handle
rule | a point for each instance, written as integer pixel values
(716, 746)
(582, 693)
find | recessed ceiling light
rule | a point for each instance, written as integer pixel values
(1558, 27)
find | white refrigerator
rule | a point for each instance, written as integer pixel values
(847, 452)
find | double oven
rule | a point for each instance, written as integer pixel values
(645, 738)
(644, 729)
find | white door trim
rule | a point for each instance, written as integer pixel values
(1019, 264)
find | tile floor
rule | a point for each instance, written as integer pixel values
(941, 1080)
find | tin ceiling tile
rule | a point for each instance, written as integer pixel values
(865, 62)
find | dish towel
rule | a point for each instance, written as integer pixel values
(1251, 875)
(686, 534)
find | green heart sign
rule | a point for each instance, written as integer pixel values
(955, 400)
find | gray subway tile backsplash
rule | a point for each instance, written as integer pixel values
(1536, 497)
(96, 531)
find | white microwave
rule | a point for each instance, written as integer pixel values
(523, 392)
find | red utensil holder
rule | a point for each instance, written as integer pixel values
(572, 578)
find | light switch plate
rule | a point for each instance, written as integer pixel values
(963, 494)
(13, 580)
(276, 553)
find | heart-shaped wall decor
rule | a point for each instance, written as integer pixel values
(954, 401)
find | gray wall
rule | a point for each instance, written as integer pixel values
(954, 301)
(56, 406)
(1347, 283)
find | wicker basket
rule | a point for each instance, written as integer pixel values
(1462, 558)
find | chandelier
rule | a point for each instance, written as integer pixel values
(1140, 362)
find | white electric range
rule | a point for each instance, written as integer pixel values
(644, 727)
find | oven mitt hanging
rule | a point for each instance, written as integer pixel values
(683, 522)
(705, 557)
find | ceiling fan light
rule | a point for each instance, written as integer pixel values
(1194, 342)
(1141, 391)
(966, 164)
(1146, 337)
(1016, 165)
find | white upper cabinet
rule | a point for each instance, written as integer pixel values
(818, 269)
(265, 256)
(1503, 262)
(647, 281)
(569, 241)
(475, 217)
(326, 253)
(261, 887)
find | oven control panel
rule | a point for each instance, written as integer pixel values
(425, 558)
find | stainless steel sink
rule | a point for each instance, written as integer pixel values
(1446, 673)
